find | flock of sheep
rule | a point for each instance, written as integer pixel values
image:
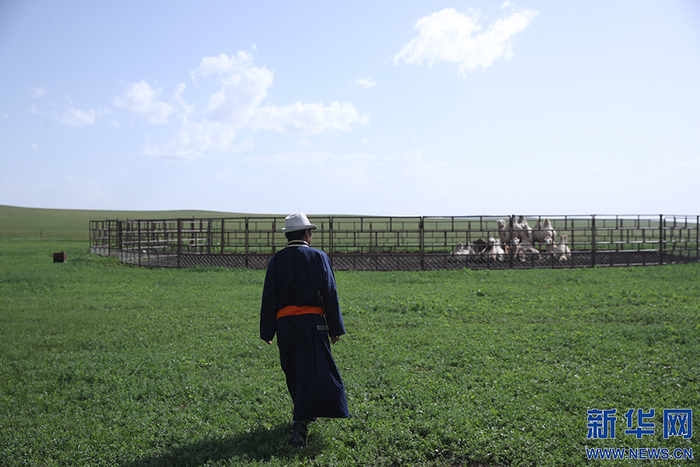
(521, 239)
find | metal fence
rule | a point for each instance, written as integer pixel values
(407, 243)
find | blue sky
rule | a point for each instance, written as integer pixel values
(388, 108)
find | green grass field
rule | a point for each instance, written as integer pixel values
(103, 364)
(73, 224)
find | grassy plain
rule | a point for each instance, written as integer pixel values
(103, 364)
(73, 224)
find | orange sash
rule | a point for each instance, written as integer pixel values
(294, 310)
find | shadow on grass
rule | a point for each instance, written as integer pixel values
(260, 444)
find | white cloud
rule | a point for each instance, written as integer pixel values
(308, 119)
(140, 99)
(366, 83)
(243, 87)
(238, 104)
(449, 36)
(221, 65)
(195, 138)
(192, 140)
(33, 109)
(77, 117)
(185, 108)
(37, 93)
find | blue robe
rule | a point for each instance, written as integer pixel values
(302, 276)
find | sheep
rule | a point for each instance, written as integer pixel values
(494, 252)
(542, 231)
(525, 251)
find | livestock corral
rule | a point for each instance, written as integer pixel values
(408, 243)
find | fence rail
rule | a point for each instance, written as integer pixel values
(407, 243)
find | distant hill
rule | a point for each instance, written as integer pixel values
(73, 224)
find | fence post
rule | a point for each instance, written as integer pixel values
(330, 238)
(246, 241)
(223, 221)
(697, 238)
(210, 239)
(661, 239)
(510, 247)
(421, 241)
(179, 241)
(120, 237)
(593, 241)
(138, 234)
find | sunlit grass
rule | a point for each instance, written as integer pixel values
(105, 364)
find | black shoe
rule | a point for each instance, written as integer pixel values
(298, 441)
(299, 430)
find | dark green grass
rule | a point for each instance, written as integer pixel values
(104, 364)
(43, 224)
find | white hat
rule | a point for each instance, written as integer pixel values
(294, 222)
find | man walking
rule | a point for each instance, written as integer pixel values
(300, 304)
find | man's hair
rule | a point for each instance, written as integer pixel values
(296, 235)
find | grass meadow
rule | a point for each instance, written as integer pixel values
(103, 364)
